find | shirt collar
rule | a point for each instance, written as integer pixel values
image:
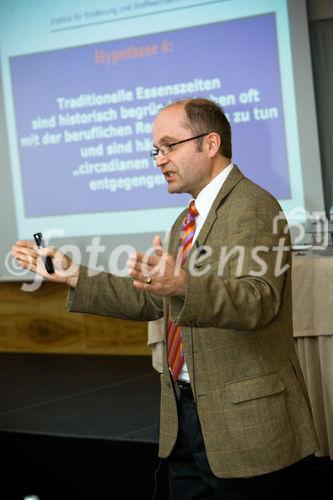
(207, 195)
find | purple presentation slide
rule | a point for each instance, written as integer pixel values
(84, 114)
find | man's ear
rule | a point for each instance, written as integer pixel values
(213, 141)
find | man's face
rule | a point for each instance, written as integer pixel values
(185, 169)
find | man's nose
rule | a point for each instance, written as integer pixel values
(161, 160)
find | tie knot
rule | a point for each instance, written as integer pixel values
(192, 210)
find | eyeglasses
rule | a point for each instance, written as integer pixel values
(167, 148)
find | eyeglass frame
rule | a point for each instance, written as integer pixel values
(155, 151)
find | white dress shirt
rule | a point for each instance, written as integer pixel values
(203, 203)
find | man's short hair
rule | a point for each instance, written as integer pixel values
(203, 116)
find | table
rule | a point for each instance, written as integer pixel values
(312, 285)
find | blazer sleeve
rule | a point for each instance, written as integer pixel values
(109, 295)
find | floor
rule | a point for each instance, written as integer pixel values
(105, 397)
(76, 427)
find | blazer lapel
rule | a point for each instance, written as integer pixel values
(232, 180)
(175, 234)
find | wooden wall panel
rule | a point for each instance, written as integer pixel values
(38, 322)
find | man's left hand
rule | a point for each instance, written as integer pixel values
(159, 274)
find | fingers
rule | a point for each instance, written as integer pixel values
(24, 252)
(32, 258)
(143, 269)
(26, 243)
(157, 245)
(142, 277)
(143, 259)
(47, 252)
(150, 260)
(140, 270)
(134, 264)
(148, 287)
(26, 257)
(29, 256)
(28, 263)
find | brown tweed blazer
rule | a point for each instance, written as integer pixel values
(237, 335)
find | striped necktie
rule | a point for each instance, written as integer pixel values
(175, 347)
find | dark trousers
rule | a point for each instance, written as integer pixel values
(190, 476)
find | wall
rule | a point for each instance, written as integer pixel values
(39, 322)
(319, 9)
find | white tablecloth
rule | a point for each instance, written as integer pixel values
(315, 355)
(312, 282)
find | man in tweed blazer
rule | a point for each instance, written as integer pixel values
(238, 422)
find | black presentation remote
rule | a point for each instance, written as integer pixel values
(40, 242)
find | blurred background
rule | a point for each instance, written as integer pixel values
(80, 85)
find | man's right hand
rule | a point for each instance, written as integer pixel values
(30, 257)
